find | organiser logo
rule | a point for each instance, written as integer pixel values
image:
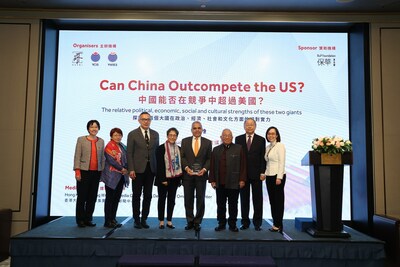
(112, 58)
(77, 58)
(95, 57)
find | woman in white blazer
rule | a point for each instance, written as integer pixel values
(275, 177)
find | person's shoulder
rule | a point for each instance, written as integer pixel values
(187, 138)
(279, 144)
(186, 142)
(134, 131)
(161, 147)
(241, 136)
(153, 131)
(218, 147)
(241, 139)
(203, 139)
(257, 136)
(81, 138)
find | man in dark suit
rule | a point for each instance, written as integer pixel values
(254, 150)
(141, 146)
(196, 156)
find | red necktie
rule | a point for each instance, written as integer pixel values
(248, 143)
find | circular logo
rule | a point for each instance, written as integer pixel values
(95, 57)
(112, 57)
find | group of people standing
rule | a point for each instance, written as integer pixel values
(233, 169)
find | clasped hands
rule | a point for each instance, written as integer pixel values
(199, 173)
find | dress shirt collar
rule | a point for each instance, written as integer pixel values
(143, 131)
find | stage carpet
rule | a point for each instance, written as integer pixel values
(62, 243)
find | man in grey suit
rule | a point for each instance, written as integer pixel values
(141, 146)
(196, 156)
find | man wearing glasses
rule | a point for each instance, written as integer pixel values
(196, 156)
(141, 146)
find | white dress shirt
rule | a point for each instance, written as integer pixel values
(144, 132)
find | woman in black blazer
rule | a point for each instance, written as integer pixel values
(168, 177)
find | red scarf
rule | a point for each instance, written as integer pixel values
(114, 150)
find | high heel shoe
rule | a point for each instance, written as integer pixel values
(171, 226)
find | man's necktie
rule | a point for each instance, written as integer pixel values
(248, 142)
(146, 137)
(196, 146)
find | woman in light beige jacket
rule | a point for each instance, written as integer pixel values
(88, 164)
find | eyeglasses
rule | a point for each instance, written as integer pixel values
(145, 119)
(196, 128)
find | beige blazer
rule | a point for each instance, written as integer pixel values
(83, 150)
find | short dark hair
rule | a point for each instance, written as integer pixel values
(144, 113)
(91, 122)
(115, 130)
(173, 129)
(278, 135)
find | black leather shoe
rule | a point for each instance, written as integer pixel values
(197, 227)
(244, 227)
(110, 225)
(90, 224)
(233, 229)
(220, 228)
(81, 224)
(189, 226)
(118, 225)
(257, 228)
(145, 225)
(137, 225)
(161, 226)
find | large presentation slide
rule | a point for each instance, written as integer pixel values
(295, 81)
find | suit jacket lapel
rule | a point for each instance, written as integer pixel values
(140, 134)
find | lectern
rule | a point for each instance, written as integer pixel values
(326, 177)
